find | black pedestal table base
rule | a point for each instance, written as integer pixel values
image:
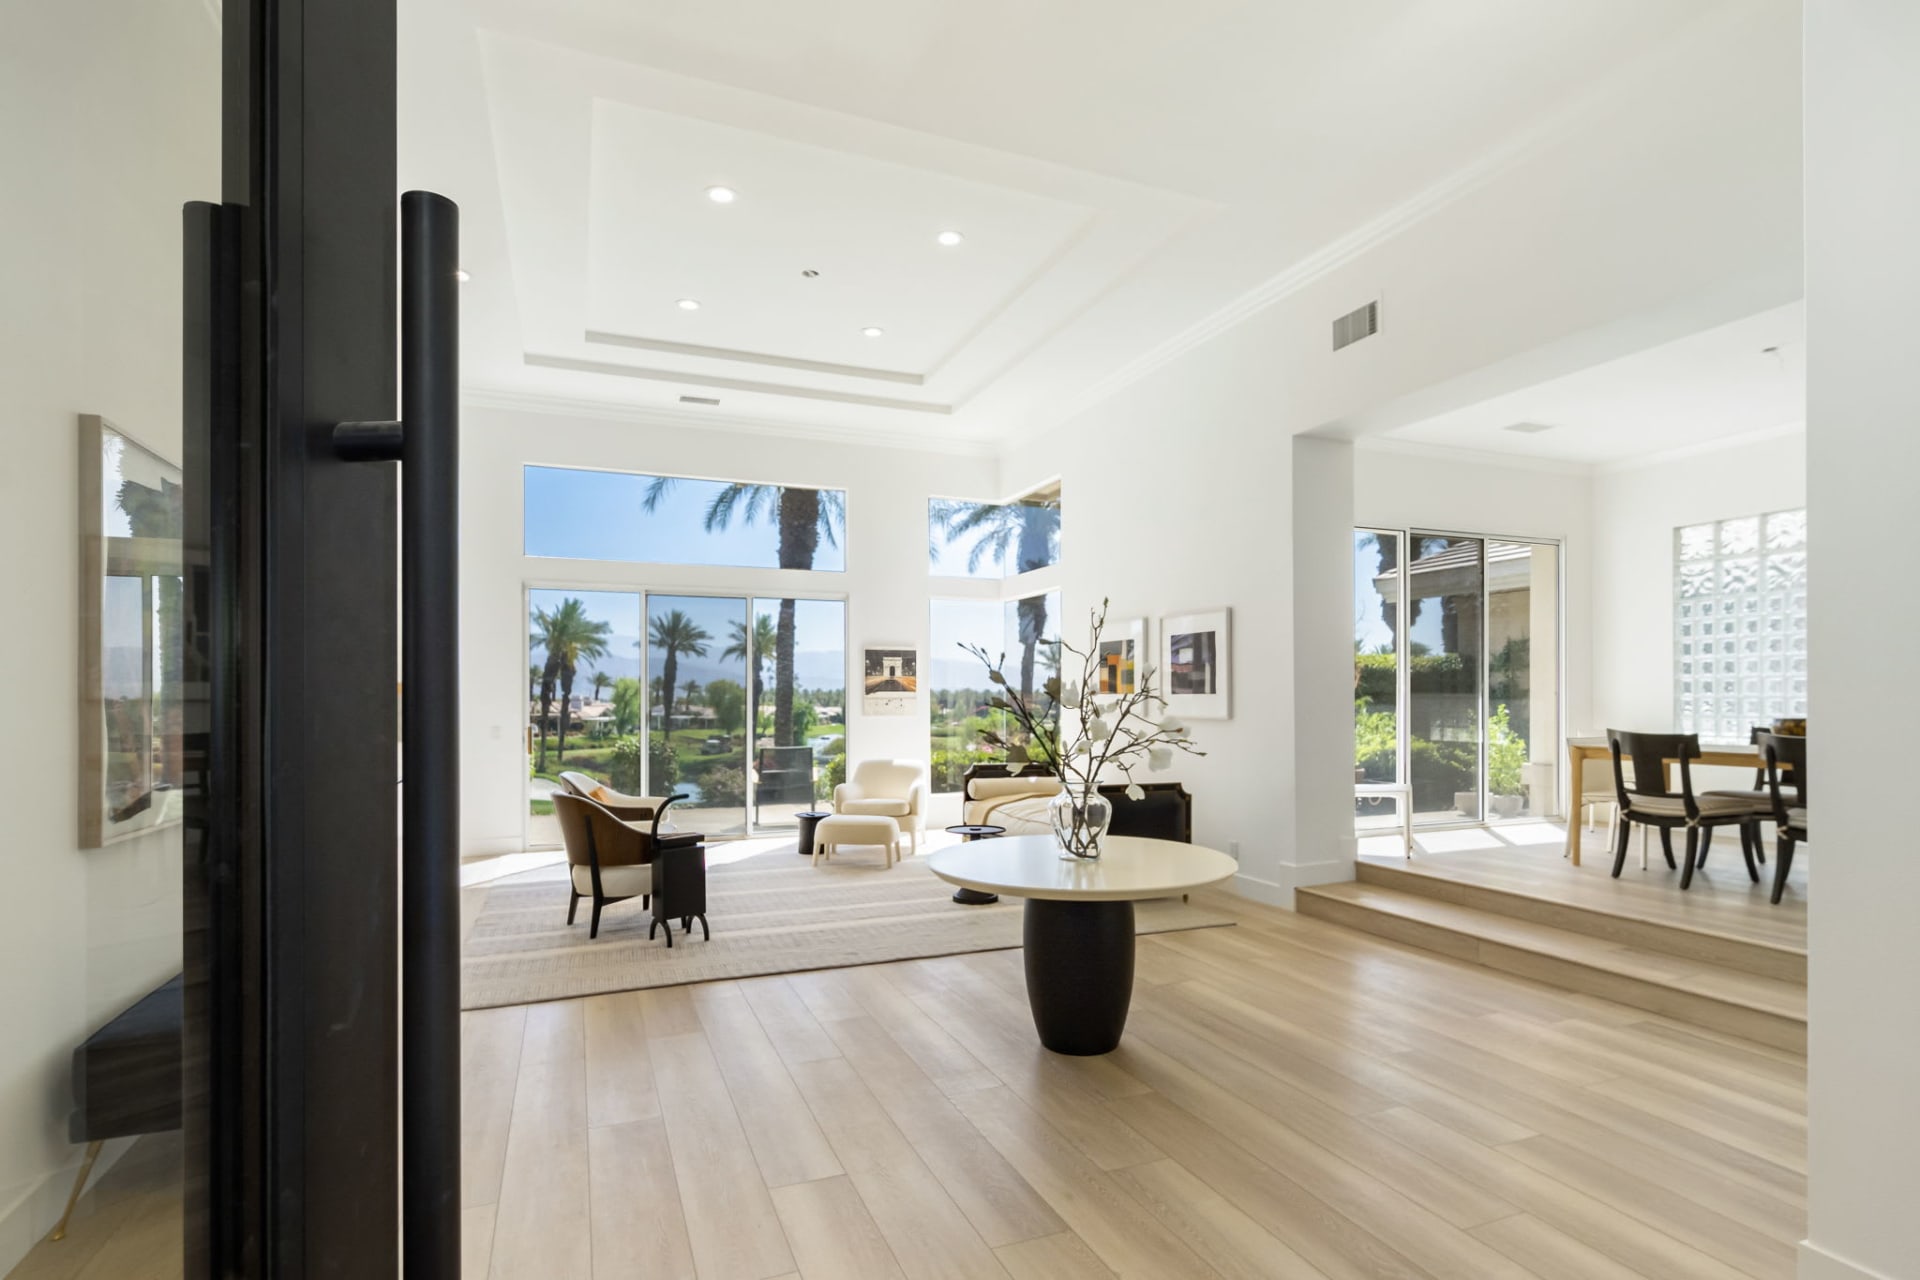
(1079, 973)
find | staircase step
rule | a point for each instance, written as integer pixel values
(1772, 1011)
(1691, 941)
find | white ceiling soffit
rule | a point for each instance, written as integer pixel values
(1123, 173)
(604, 168)
(1734, 382)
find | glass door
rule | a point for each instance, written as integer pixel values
(584, 698)
(1523, 679)
(697, 650)
(1379, 759)
(1445, 625)
(798, 695)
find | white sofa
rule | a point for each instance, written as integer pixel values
(1018, 803)
(885, 789)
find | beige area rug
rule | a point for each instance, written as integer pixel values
(775, 913)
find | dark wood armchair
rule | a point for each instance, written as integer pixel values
(608, 860)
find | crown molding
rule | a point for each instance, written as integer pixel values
(655, 416)
(1701, 449)
(1484, 457)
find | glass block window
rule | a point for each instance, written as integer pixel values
(1739, 624)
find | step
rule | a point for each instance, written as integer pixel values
(1772, 1011)
(1691, 941)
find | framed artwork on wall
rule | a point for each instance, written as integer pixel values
(1196, 664)
(1123, 658)
(890, 680)
(131, 772)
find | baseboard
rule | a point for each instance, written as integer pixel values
(1817, 1264)
(1278, 892)
(28, 1219)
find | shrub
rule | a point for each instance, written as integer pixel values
(1506, 753)
(623, 772)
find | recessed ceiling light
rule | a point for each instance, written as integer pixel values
(720, 195)
(872, 331)
(810, 273)
(1529, 428)
(689, 304)
(462, 276)
(949, 239)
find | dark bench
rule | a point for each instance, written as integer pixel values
(126, 1080)
(1165, 812)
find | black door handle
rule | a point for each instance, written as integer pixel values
(426, 442)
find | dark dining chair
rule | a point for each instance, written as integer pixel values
(1756, 797)
(1786, 760)
(1648, 801)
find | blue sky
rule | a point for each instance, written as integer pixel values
(601, 515)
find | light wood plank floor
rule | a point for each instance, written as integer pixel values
(1293, 1099)
(1721, 899)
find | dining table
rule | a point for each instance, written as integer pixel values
(1580, 750)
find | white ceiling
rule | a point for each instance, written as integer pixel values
(1121, 170)
(1735, 380)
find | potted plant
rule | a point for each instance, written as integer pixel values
(1113, 734)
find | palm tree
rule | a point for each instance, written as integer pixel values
(765, 643)
(674, 633)
(600, 680)
(692, 688)
(803, 517)
(1031, 530)
(566, 634)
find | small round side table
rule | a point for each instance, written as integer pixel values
(809, 820)
(969, 832)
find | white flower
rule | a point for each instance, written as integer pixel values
(1098, 730)
(1069, 695)
(1159, 758)
(1136, 792)
(1083, 748)
(1175, 726)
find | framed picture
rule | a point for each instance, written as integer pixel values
(131, 768)
(1196, 664)
(890, 680)
(1123, 658)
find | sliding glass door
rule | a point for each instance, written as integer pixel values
(1456, 676)
(736, 703)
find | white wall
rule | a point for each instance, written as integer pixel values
(112, 123)
(1635, 511)
(886, 582)
(1863, 435)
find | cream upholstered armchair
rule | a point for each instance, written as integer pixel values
(884, 788)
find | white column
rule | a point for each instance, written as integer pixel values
(1323, 844)
(1862, 85)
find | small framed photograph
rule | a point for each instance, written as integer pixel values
(1196, 664)
(1123, 658)
(890, 680)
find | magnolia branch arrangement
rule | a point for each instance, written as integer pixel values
(1115, 731)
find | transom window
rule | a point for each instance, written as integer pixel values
(578, 514)
(994, 539)
(1739, 623)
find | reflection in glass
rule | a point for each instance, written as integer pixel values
(798, 693)
(994, 540)
(1445, 651)
(605, 515)
(959, 692)
(1376, 674)
(697, 719)
(583, 698)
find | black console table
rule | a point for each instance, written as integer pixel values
(680, 884)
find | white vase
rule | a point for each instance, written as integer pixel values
(1080, 818)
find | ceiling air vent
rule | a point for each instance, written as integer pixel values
(698, 400)
(1355, 325)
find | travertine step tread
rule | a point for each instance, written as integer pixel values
(1716, 982)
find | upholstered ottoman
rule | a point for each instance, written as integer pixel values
(856, 828)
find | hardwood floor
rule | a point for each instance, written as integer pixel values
(1292, 1099)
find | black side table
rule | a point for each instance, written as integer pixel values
(968, 833)
(809, 820)
(680, 884)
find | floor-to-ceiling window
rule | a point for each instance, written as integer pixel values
(1456, 676)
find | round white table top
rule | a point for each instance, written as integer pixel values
(1128, 868)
